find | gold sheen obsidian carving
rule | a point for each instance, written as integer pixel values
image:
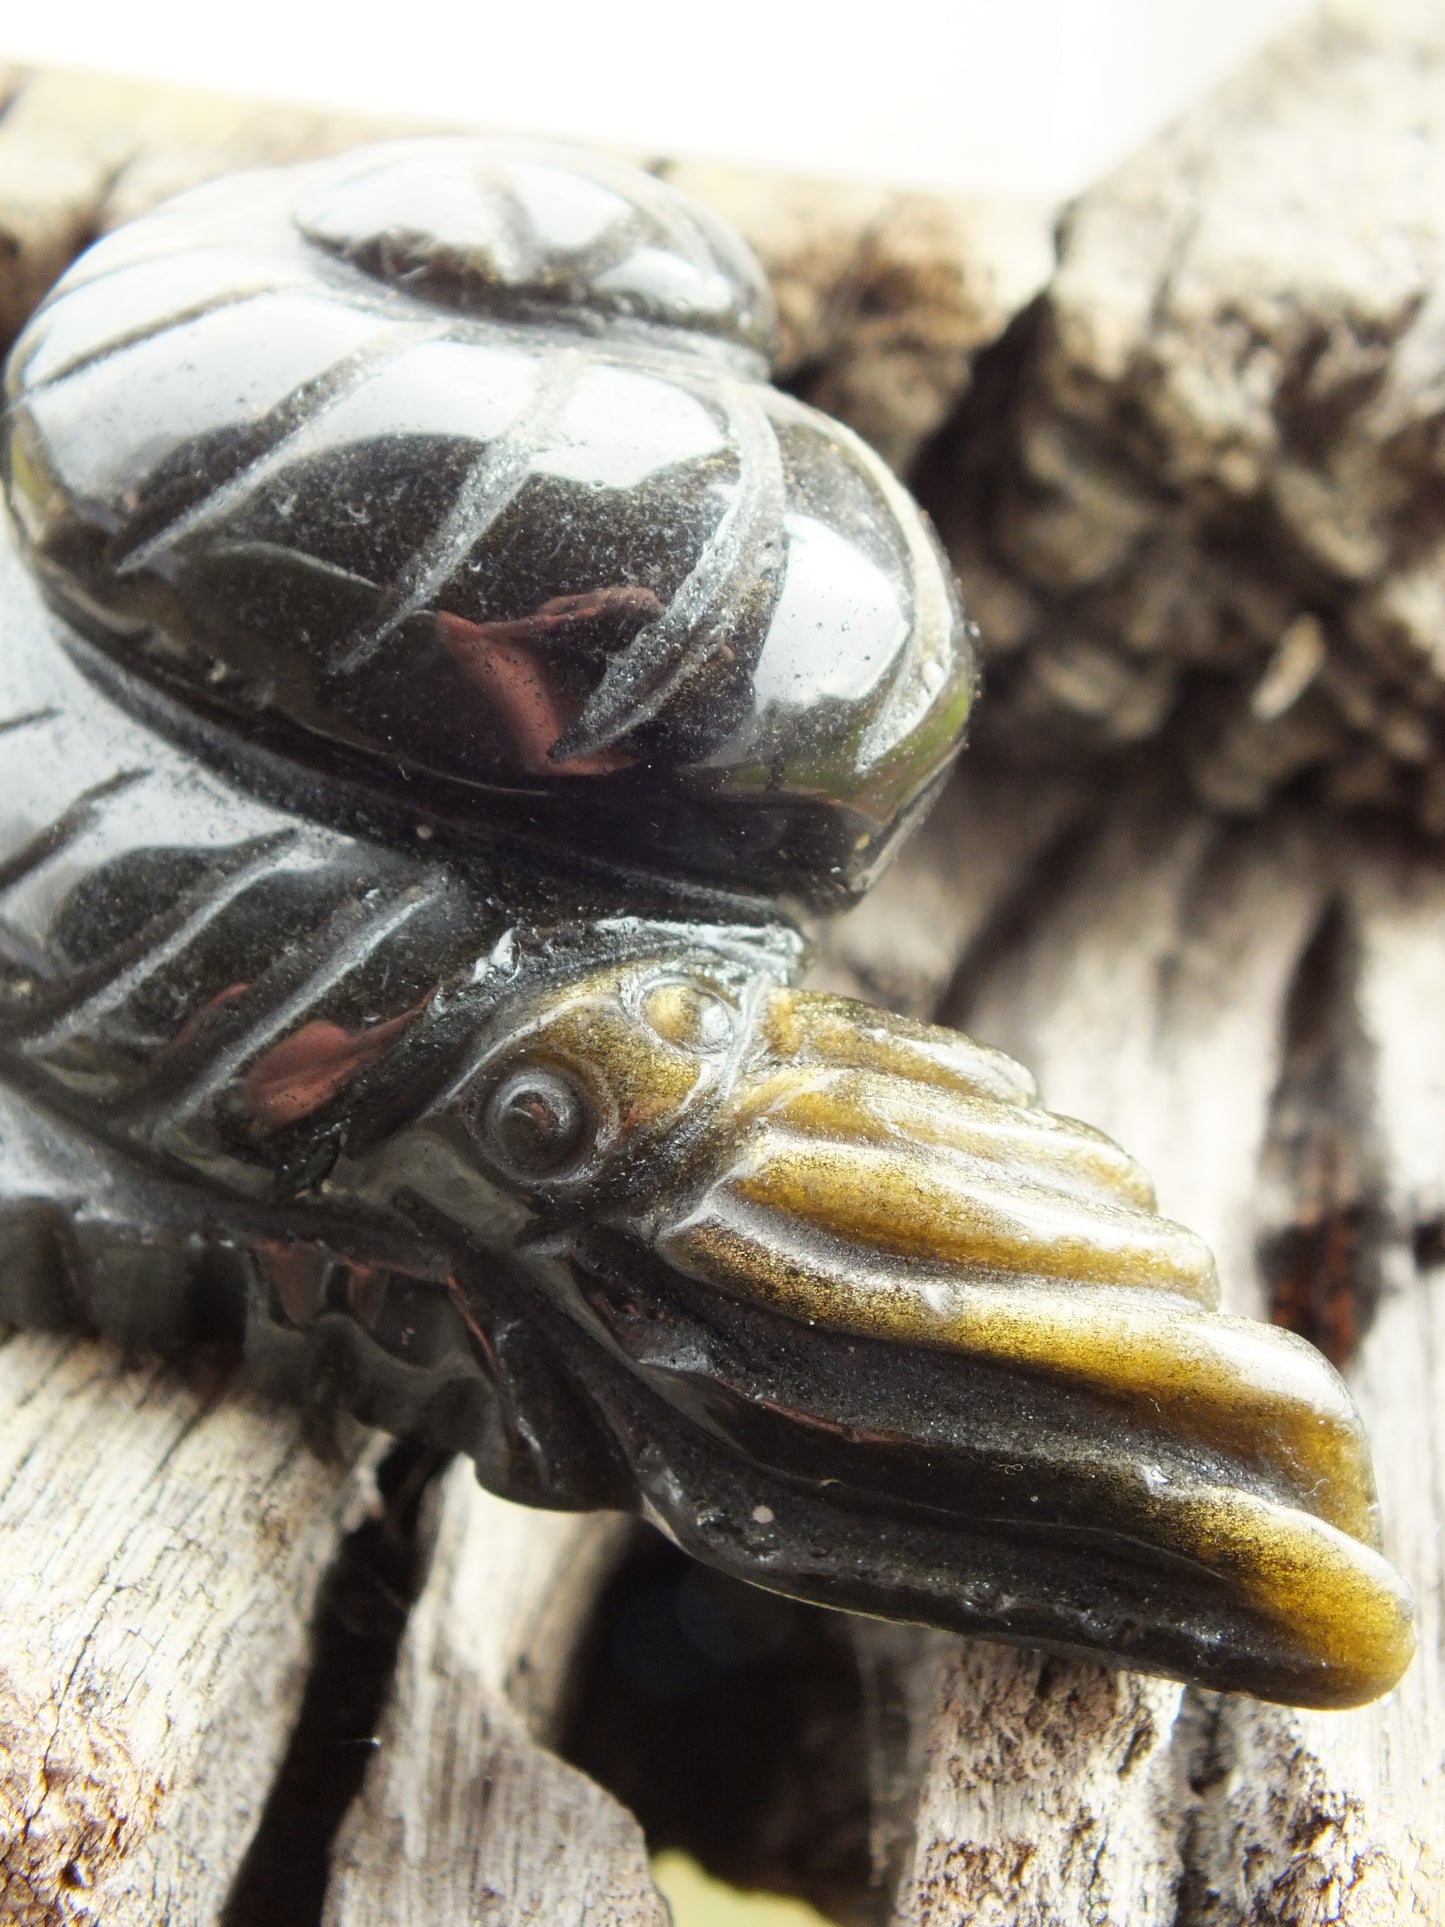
(437, 665)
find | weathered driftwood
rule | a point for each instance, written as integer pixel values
(884, 297)
(162, 1538)
(1229, 384)
(465, 1814)
(1207, 501)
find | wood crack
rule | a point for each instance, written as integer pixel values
(1325, 1220)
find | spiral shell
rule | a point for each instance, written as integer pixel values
(456, 466)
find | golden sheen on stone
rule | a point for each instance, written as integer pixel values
(434, 665)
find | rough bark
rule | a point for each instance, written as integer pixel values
(884, 298)
(1206, 501)
(465, 1814)
(161, 1543)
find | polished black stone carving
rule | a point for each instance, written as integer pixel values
(457, 657)
(460, 466)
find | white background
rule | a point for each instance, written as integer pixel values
(1027, 96)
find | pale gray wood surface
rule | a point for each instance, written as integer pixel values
(1214, 442)
(465, 1814)
(161, 1544)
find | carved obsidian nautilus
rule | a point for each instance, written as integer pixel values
(437, 670)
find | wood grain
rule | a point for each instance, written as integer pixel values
(162, 1539)
(466, 1815)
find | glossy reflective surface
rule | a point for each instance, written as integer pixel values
(459, 1120)
(461, 463)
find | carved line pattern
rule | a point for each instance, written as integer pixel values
(343, 952)
(490, 486)
(289, 424)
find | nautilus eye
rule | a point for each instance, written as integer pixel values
(537, 1123)
(691, 1015)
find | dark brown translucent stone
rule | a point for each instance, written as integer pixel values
(460, 463)
(456, 653)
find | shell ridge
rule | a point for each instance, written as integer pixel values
(469, 235)
(294, 418)
(662, 206)
(63, 829)
(605, 251)
(137, 337)
(340, 959)
(489, 487)
(227, 886)
(928, 589)
(27, 719)
(746, 551)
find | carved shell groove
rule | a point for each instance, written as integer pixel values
(455, 470)
(458, 463)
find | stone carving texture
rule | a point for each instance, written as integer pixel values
(463, 658)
